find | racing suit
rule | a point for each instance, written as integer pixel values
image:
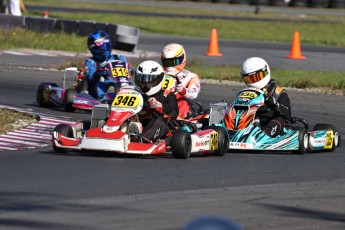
(191, 83)
(276, 111)
(157, 110)
(93, 72)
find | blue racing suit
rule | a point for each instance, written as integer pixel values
(93, 72)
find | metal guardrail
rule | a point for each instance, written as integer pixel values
(123, 37)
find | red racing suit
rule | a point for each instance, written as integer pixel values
(191, 83)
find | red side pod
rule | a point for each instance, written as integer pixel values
(144, 147)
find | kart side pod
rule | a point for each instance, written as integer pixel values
(324, 137)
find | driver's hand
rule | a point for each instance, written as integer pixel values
(153, 103)
(271, 102)
(180, 89)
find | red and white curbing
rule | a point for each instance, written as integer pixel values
(36, 135)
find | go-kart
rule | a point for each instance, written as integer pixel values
(116, 128)
(197, 116)
(71, 97)
(243, 128)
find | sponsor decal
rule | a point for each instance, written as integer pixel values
(78, 101)
(202, 143)
(274, 130)
(240, 145)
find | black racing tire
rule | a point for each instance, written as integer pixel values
(336, 139)
(181, 144)
(43, 92)
(303, 142)
(68, 100)
(223, 140)
(65, 130)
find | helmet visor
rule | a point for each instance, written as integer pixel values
(98, 43)
(254, 77)
(147, 78)
(170, 62)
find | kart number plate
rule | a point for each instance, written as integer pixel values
(168, 82)
(329, 139)
(126, 101)
(119, 72)
(214, 140)
(248, 94)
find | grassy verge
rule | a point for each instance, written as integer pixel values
(322, 33)
(12, 120)
(331, 81)
(325, 33)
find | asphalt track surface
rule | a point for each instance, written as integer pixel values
(94, 190)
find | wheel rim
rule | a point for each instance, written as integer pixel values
(336, 139)
(305, 141)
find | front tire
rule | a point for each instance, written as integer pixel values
(65, 130)
(181, 144)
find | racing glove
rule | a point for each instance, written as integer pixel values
(180, 89)
(271, 102)
(153, 103)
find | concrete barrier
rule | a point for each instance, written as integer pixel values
(86, 27)
(68, 26)
(9, 21)
(39, 24)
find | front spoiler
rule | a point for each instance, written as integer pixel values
(119, 142)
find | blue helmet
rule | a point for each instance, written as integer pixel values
(99, 44)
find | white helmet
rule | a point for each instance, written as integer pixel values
(149, 77)
(173, 58)
(255, 72)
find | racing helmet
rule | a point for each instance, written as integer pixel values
(99, 44)
(149, 77)
(173, 58)
(255, 72)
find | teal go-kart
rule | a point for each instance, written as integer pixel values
(239, 120)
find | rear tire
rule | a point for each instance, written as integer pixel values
(65, 130)
(43, 94)
(181, 144)
(303, 142)
(68, 100)
(336, 139)
(223, 140)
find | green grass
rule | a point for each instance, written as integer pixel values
(11, 120)
(326, 33)
(329, 80)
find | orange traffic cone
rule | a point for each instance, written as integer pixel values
(213, 49)
(45, 14)
(295, 48)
